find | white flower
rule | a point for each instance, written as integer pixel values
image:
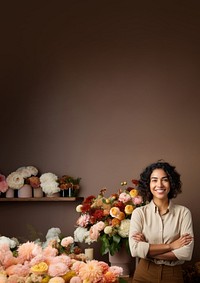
(33, 171)
(82, 235)
(79, 208)
(48, 177)
(108, 230)
(15, 180)
(53, 233)
(124, 227)
(49, 183)
(5, 240)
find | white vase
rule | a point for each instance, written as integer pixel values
(25, 191)
(55, 195)
(10, 193)
(124, 260)
(37, 192)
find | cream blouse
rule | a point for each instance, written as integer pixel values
(161, 230)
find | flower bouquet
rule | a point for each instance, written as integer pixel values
(49, 183)
(107, 218)
(18, 178)
(69, 186)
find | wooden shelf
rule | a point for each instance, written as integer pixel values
(42, 199)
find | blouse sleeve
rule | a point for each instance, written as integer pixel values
(137, 249)
(185, 253)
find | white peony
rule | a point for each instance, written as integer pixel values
(15, 180)
(124, 227)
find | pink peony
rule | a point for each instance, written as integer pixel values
(26, 251)
(137, 200)
(83, 220)
(18, 269)
(3, 184)
(6, 256)
(124, 197)
(67, 241)
(50, 251)
(59, 265)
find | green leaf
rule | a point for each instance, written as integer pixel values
(122, 280)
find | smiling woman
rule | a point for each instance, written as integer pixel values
(161, 232)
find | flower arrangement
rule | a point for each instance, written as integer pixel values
(107, 218)
(3, 184)
(18, 178)
(69, 184)
(49, 183)
(43, 262)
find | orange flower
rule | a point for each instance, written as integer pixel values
(115, 222)
(121, 215)
(129, 209)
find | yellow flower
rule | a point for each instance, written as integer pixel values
(40, 268)
(128, 209)
(114, 211)
(68, 276)
(133, 193)
(45, 279)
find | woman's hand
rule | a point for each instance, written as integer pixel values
(180, 242)
(139, 237)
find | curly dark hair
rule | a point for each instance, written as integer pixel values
(173, 175)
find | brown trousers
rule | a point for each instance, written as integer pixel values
(149, 272)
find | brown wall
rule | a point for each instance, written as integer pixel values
(99, 89)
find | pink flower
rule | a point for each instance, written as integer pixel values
(137, 200)
(57, 280)
(75, 279)
(26, 251)
(50, 252)
(124, 197)
(67, 241)
(6, 256)
(3, 278)
(18, 269)
(15, 278)
(59, 265)
(95, 230)
(3, 184)
(91, 272)
(83, 220)
(117, 270)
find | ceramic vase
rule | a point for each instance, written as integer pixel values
(25, 191)
(124, 260)
(37, 192)
(10, 193)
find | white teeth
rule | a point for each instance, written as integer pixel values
(160, 191)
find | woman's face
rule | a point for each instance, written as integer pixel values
(159, 184)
